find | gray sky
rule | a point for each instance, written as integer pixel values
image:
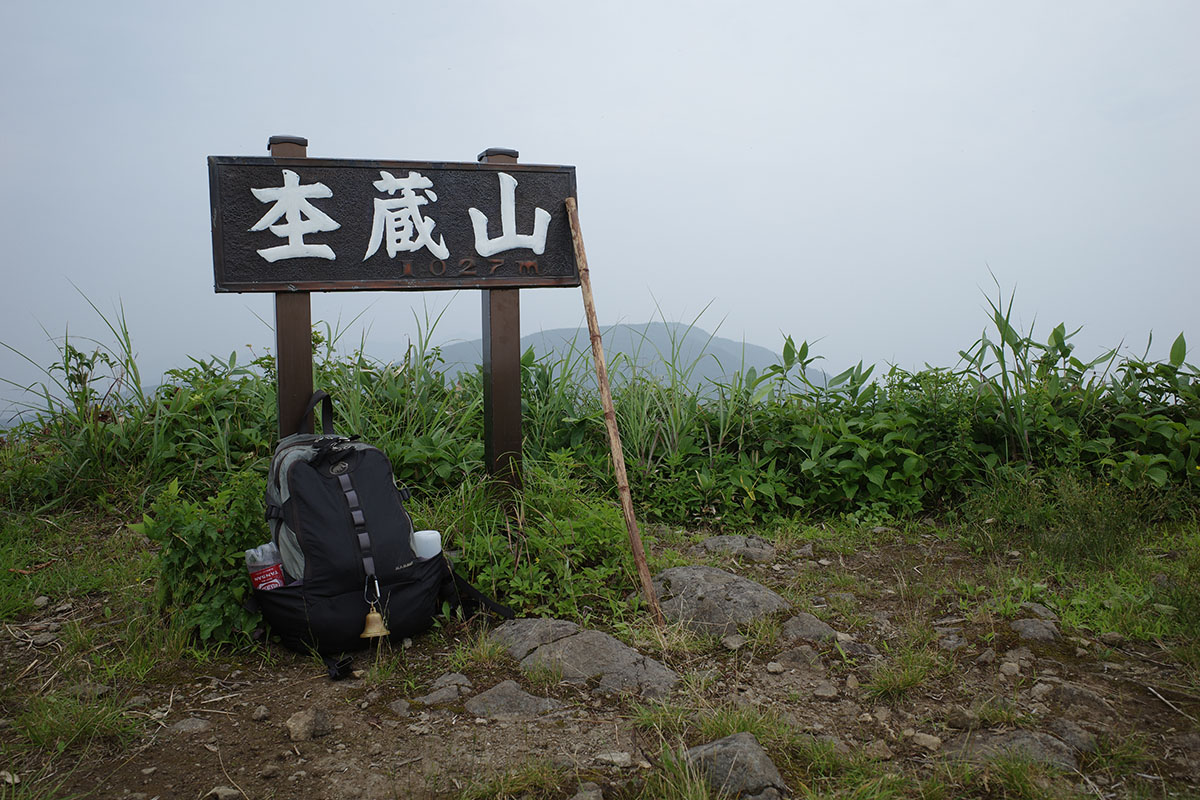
(844, 171)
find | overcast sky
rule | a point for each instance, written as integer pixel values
(845, 172)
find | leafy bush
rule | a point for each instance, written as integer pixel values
(202, 578)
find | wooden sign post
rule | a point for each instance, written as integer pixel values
(292, 225)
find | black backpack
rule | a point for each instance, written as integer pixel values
(344, 538)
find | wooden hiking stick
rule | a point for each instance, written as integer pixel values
(610, 416)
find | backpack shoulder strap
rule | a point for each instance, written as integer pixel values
(321, 398)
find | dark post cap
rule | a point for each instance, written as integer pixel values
(497, 151)
(300, 140)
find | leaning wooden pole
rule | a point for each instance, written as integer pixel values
(610, 416)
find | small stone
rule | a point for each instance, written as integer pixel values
(616, 759)
(149, 770)
(191, 725)
(878, 751)
(986, 657)
(1072, 735)
(803, 656)
(928, 741)
(1081, 652)
(774, 667)
(882, 714)
(399, 708)
(951, 642)
(260, 714)
(269, 771)
(376, 749)
(1040, 690)
(1035, 630)
(1010, 668)
(805, 552)
(41, 601)
(962, 719)
(224, 793)
(451, 679)
(446, 694)
(588, 791)
(1040, 611)
(297, 776)
(304, 726)
(43, 639)
(851, 683)
(824, 562)
(1112, 639)
(825, 689)
(733, 641)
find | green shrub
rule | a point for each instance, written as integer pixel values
(202, 578)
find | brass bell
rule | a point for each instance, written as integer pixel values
(374, 626)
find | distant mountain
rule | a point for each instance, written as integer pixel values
(698, 357)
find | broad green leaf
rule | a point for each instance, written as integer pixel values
(1178, 351)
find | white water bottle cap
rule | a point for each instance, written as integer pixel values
(426, 544)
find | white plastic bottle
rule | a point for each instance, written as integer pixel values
(426, 544)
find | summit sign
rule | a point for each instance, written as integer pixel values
(282, 225)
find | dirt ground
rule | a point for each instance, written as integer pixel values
(220, 727)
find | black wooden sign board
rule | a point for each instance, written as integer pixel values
(304, 224)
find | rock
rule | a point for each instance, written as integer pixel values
(851, 683)
(853, 649)
(312, 723)
(88, 691)
(1072, 735)
(41, 601)
(261, 713)
(399, 707)
(1035, 630)
(825, 690)
(619, 759)
(1010, 669)
(1112, 639)
(43, 639)
(878, 751)
(1040, 690)
(736, 765)
(804, 552)
(982, 746)
(751, 548)
(927, 741)
(806, 627)
(951, 642)
(588, 791)
(521, 637)
(446, 694)
(713, 601)
(224, 793)
(1040, 611)
(962, 719)
(986, 657)
(734, 641)
(591, 655)
(506, 700)
(774, 667)
(191, 725)
(803, 656)
(269, 771)
(451, 679)
(1074, 696)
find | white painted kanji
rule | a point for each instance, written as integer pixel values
(399, 221)
(302, 218)
(509, 239)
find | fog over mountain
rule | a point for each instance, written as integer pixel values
(660, 349)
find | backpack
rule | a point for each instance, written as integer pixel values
(345, 542)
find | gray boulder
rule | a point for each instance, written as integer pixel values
(1035, 630)
(580, 656)
(982, 746)
(804, 627)
(713, 601)
(506, 700)
(738, 766)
